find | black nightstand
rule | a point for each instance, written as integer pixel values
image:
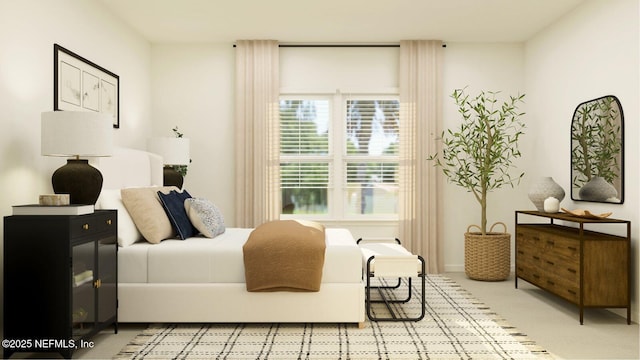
(60, 281)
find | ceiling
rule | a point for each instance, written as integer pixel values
(339, 21)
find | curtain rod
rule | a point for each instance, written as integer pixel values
(340, 45)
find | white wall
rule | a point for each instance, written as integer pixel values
(591, 52)
(193, 88)
(350, 69)
(489, 67)
(28, 30)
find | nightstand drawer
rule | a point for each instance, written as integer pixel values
(83, 226)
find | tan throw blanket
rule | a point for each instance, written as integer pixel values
(285, 255)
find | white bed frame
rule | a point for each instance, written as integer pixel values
(218, 302)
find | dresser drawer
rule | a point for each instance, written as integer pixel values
(568, 271)
(550, 283)
(527, 247)
(529, 257)
(561, 287)
(531, 274)
(89, 225)
(561, 246)
(526, 236)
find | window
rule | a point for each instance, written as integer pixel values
(305, 162)
(339, 155)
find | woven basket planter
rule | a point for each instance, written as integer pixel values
(487, 257)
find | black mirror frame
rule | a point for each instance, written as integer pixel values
(572, 188)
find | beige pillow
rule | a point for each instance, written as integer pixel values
(147, 213)
(128, 233)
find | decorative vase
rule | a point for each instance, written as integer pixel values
(544, 188)
(551, 205)
(597, 189)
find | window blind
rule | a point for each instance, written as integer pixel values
(304, 126)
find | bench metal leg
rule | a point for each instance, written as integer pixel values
(390, 287)
(388, 302)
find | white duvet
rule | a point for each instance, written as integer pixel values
(220, 260)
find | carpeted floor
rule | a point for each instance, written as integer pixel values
(456, 326)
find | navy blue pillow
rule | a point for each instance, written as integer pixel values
(173, 204)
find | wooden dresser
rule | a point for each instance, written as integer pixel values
(587, 268)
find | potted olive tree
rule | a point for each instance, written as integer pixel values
(479, 156)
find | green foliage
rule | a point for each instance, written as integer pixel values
(595, 141)
(181, 169)
(177, 132)
(479, 155)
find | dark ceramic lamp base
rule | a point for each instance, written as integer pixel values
(80, 180)
(172, 178)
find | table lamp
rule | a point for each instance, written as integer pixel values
(174, 151)
(77, 134)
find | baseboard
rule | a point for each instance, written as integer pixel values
(454, 268)
(460, 268)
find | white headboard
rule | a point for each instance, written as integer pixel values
(130, 168)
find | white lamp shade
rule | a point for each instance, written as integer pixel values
(76, 133)
(174, 151)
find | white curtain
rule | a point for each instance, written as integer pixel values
(421, 123)
(257, 132)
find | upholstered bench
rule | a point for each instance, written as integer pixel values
(388, 259)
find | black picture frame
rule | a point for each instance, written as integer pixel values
(82, 85)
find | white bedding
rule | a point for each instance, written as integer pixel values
(220, 260)
(202, 280)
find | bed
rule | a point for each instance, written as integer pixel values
(202, 279)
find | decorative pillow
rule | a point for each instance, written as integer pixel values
(127, 232)
(147, 213)
(205, 216)
(173, 204)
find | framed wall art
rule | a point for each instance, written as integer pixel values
(81, 85)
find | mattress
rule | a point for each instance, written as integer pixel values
(220, 260)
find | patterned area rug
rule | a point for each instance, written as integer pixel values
(456, 326)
